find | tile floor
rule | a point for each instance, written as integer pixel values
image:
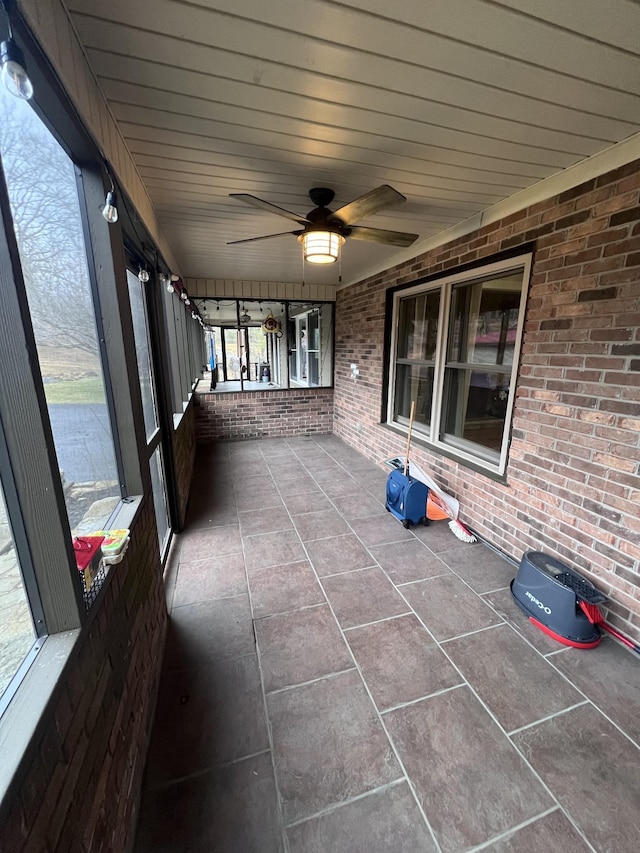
(334, 683)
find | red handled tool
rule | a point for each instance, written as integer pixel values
(596, 618)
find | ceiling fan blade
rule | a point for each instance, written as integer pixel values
(254, 201)
(365, 205)
(266, 237)
(380, 235)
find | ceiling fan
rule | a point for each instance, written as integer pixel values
(324, 231)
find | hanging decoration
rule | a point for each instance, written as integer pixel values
(271, 326)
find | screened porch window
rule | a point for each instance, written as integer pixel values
(267, 345)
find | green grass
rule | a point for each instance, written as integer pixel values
(75, 391)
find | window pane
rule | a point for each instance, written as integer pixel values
(484, 321)
(273, 351)
(233, 354)
(475, 406)
(17, 633)
(143, 356)
(292, 340)
(413, 382)
(41, 182)
(302, 349)
(258, 360)
(159, 499)
(418, 326)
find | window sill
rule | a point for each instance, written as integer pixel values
(443, 450)
(20, 722)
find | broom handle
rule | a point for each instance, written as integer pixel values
(406, 453)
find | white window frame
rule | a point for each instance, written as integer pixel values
(460, 450)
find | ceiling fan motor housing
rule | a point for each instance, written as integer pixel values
(321, 196)
(321, 218)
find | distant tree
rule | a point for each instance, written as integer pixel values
(41, 183)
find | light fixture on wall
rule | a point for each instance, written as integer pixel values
(14, 67)
(321, 247)
(143, 274)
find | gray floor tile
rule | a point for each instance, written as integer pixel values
(206, 717)
(206, 514)
(282, 588)
(503, 602)
(379, 529)
(484, 571)
(299, 646)
(399, 661)
(408, 561)
(323, 469)
(387, 821)
(593, 771)
(471, 782)
(610, 676)
(448, 607)
(248, 479)
(272, 549)
(215, 577)
(341, 485)
(363, 596)
(232, 809)
(208, 631)
(328, 745)
(338, 554)
(307, 502)
(259, 520)
(549, 833)
(438, 537)
(364, 505)
(507, 674)
(259, 501)
(320, 525)
(215, 541)
(287, 469)
(332, 753)
(298, 485)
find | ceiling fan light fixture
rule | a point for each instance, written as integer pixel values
(321, 247)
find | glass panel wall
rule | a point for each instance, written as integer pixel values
(17, 633)
(45, 206)
(262, 345)
(143, 354)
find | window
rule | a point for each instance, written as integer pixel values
(49, 233)
(263, 345)
(17, 632)
(186, 348)
(149, 395)
(454, 352)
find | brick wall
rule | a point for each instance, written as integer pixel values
(573, 485)
(184, 448)
(80, 790)
(262, 414)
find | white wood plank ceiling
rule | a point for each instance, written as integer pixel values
(457, 104)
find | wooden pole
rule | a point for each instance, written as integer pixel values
(406, 453)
